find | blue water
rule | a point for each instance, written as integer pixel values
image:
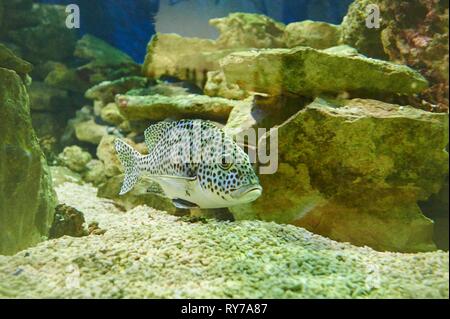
(129, 24)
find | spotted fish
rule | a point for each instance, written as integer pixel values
(195, 163)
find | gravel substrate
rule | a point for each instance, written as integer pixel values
(149, 254)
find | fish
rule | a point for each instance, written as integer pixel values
(196, 164)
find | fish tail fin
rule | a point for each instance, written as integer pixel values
(130, 161)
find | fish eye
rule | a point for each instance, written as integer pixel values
(226, 162)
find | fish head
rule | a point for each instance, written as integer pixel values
(230, 179)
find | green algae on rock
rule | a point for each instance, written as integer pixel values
(354, 171)
(150, 254)
(306, 71)
(158, 107)
(27, 199)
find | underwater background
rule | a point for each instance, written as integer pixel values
(354, 94)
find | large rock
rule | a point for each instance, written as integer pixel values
(27, 199)
(306, 71)
(314, 34)
(158, 107)
(246, 30)
(354, 171)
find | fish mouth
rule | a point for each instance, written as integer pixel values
(250, 192)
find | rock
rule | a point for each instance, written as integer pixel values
(95, 172)
(75, 158)
(216, 85)
(44, 97)
(27, 199)
(354, 171)
(306, 71)
(139, 195)
(247, 30)
(68, 221)
(106, 91)
(106, 62)
(9, 60)
(159, 107)
(111, 114)
(314, 34)
(240, 260)
(183, 58)
(62, 174)
(90, 132)
(107, 154)
(65, 78)
(51, 30)
(354, 30)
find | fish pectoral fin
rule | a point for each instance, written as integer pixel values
(183, 204)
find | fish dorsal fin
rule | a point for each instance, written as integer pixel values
(155, 132)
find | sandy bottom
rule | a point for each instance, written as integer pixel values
(149, 254)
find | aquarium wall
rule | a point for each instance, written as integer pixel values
(336, 113)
